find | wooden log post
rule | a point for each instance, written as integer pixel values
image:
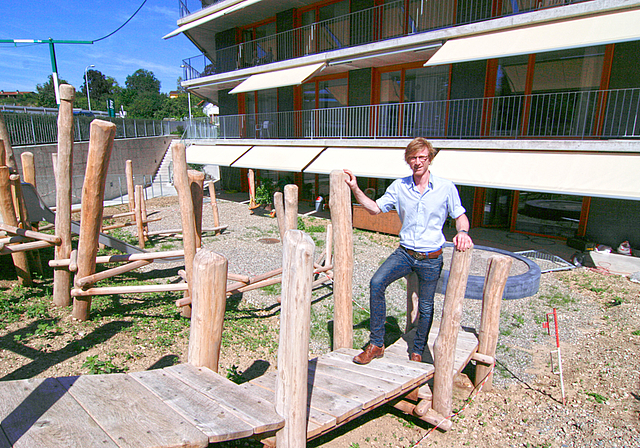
(278, 203)
(9, 217)
(101, 137)
(251, 176)
(128, 171)
(293, 349)
(28, 168)
(63, 170)
(495, 281)
(138, 215)
(328, 246)
(29, 176)
(214, 206)
(413, 314)
(3, 154)
(54, 155)
(445, 343)
(196, 185)
(209, 303)
(9, 159)
(181, 183)
(341, 219)
(290, 207)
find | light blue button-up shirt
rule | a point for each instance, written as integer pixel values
(422, 215)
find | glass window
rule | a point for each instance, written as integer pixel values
(425, 93)
(332, 93)
(565, 85)
(430, 14)
(507, 111)
(548, 214)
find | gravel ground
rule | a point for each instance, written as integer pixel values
(599, 322)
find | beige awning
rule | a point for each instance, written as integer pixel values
(583, 174)
(223, 155)
(364, 162)
(208, 18)
(576, 33)
(279, 78)
(278, 158)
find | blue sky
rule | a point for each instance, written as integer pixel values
(138, 45)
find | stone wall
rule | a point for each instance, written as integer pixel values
(146, 153)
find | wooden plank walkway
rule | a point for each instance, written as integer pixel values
(340, 390)
(185, 406)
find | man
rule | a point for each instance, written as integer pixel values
(423, 202)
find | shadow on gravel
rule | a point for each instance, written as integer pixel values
(42, 360)
(527, 385)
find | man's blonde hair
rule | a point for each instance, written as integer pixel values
(417, 145)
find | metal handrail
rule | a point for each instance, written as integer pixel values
(611, 113)
(375, 24)
(36, 129)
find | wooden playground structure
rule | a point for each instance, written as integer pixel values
(191, 405)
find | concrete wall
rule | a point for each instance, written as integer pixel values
(146, 154)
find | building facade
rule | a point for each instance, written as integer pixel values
(533, 104)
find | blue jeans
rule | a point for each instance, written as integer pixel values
(398, 265)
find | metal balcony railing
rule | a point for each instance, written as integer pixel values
(375, 24)
(577, 115)
(36, 129)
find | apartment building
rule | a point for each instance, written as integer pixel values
(533, 104)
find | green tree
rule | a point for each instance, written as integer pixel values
(46, 95)
(143, 81)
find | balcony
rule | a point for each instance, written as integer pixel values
(571, 115)
(387, 21)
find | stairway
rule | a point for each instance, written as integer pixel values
(165, 171)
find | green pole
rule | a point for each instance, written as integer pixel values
(54, 71)
(52, 53)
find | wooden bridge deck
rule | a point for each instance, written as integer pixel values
(184, 406)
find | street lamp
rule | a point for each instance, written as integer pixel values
(86, 81)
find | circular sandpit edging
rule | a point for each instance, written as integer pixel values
(517, 287)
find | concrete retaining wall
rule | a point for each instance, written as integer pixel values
(146, 153)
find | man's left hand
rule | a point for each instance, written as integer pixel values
(462, 241)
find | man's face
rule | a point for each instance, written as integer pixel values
(419, 162)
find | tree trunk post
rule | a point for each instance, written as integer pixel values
(278, 203)
(10, 160)
(9, 217)
(341, 219)
(252, 189)
(290, 207)
(196, 185)
(495, 281)
(101, 138)
(3, 154)
(138, 215)
(208, 307)
(293, 349)
(29, 176)
(445, 343)
(128, 171)
(63, 172)
(413, 314)
(214, 206)
(181, 183)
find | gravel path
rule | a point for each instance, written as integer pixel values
(600, 337)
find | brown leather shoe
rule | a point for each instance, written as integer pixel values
(370, 352)
(415, 357)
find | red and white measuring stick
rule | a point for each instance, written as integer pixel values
(547, 326)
